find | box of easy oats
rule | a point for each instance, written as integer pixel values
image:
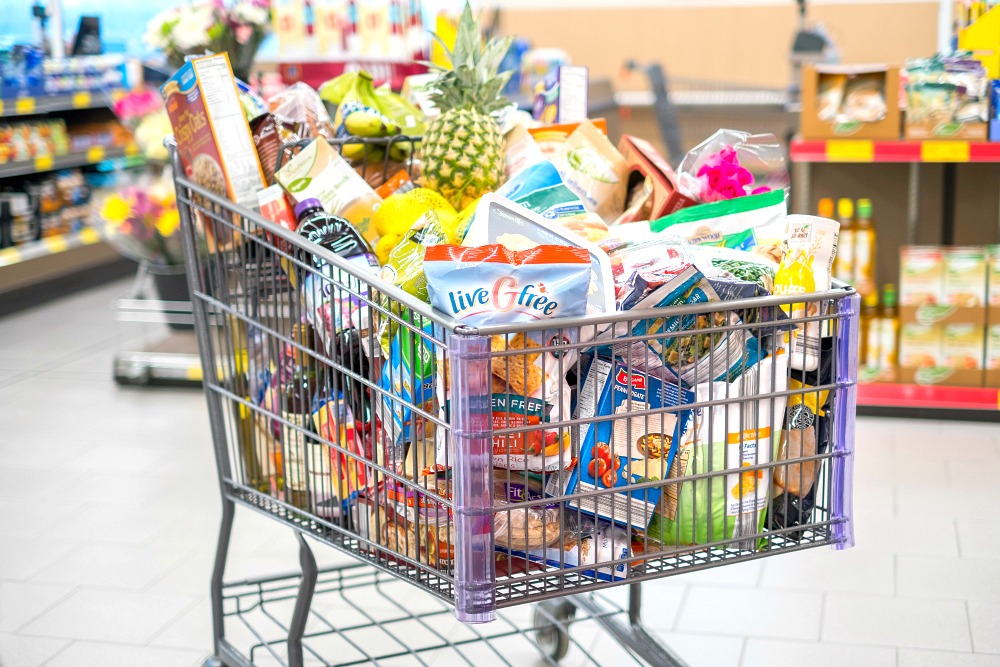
(211, 130)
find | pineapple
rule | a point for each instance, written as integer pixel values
(462, 150)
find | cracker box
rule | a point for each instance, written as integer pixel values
(213, 136)
(921, 275)
(627, 450)
(965, 276)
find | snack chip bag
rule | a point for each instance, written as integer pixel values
(493, 285)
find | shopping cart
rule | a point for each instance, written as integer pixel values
(377, 429)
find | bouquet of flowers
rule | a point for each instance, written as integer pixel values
(732, 164)
(142, 112)
(212, 25)
(142, 221)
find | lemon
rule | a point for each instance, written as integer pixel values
(399, 211)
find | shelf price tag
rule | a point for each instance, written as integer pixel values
(55, 243)
(850, 150)
(81, 100)
(9, 256)
(944, 151)
(89, 235)
(95, 154)
(25, 105)
(43, 163)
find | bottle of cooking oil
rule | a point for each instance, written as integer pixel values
(888, 340)
(864, 250)
(871, 331)
(843, 265)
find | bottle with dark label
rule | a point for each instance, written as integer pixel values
(296, 413)
(333, 233)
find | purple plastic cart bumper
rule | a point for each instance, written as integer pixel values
(475, 564)
(846, 406)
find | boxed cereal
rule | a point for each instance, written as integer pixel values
(211, 129)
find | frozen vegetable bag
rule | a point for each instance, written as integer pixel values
(729, 437)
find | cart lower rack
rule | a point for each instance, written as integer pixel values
(495, 466)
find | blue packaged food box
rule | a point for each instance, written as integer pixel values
(637, 446)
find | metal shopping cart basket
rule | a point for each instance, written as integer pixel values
(472, 470)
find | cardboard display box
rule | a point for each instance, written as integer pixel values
(830, 116)
(929, 129)
(645, 162)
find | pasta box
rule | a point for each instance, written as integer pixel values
(636, 444)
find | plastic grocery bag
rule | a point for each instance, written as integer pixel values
(732, 164)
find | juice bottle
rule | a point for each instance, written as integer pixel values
(825, 208)
(888, 335)
(843, 265)
(864, 250)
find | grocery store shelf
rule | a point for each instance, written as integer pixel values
(859, 150)
(26, 106)
(928, 397)
(48, 246)
(93, 155)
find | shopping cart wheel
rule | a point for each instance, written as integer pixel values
(551, 631)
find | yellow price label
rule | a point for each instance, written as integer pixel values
(55, 243)
(81, 100)
(9, 256)
(194, 373)
(944, 151)
(43, 163)
(89, 235)
(850, 150)
(25, 105)
(95, 153)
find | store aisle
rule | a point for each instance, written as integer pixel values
(109, 509)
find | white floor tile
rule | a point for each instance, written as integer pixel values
(978, 538)
(942, 502)
(192, 630)
(742, 612)
(22, 557)
(907, 535)
(22, 651)
(774, 653)
(891, 621)
(21, 602)
(944, 578)
(113, 616)
(112, 566)
(984, 617)
(26, 518)
(915, 658)
(93, 654)
(745, 574)
(698, 650)
(973, 473)
(132, 525)
(823, 569)
(35, 484)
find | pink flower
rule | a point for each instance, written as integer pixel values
(761, 190)
(722, 176)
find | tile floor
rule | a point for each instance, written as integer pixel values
(108, 515)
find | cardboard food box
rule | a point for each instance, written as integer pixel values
(842, 102)
(645, 162)
(921, 275)
(965, 276)
(563, 96)
(993, 276)
(992, 361)
(925, 351)
(211, 129)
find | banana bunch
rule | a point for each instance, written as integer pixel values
(363, 111)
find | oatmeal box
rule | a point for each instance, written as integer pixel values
(212, 133)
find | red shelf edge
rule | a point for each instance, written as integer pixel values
(814, 150)
(885, 395)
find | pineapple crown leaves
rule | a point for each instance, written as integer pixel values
(473, 81)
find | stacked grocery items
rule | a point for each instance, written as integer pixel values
(493, 221)
(45, 206)
(24, 141)
(949, 305)
(947, 96)
(25, 72)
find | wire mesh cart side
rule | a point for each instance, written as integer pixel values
(476, 469)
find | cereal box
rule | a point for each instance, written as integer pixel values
(212, 133)
(638, 445)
